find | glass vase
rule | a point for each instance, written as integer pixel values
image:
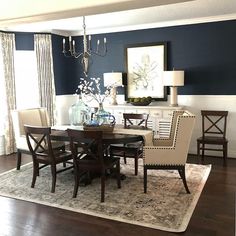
(79, 113)
(102, 117)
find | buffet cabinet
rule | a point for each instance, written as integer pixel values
(159, 116)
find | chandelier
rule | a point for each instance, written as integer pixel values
(86, 54)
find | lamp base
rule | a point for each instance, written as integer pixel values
(173, 96)
(113, 97)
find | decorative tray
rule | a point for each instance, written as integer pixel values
(104, 128)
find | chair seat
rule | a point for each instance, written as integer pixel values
(212, 140)
(60, 157)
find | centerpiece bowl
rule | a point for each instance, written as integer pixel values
(144, 103)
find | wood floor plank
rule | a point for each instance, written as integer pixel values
(213, 215)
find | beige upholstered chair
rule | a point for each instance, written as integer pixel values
(173, 156)
(34, 117)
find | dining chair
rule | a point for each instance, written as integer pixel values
(88, 156)
(214, 124)
(131, 150)
(40, 146)
(34, 117)
(174, 156)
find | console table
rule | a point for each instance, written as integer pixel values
(159, 116)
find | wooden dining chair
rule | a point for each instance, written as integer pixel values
(131, 150)
(214, 124)
(88, 156)
(43, 154)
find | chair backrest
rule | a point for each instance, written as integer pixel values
(169, 140)
(39, 142)
(177, 153)
(214, 123)
(140, 119)
(182, 137)
(86, 144)
(33, 117)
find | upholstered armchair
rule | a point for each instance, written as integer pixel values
(34, 117)
(171, 156)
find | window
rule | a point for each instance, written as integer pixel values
(26, 80)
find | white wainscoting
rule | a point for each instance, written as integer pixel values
(193, 103)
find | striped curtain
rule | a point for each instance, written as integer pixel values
(7, 89)
(47, 95)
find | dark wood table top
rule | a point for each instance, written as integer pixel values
(108, 138)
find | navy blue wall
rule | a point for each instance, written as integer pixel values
(24, 41)
(207, 53)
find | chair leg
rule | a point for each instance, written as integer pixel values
(53, 170)
(198, 150)
(182, 175)
(225, 154)
(35, 174)
(136, 165)
(125, 159)
(18, 160)
(118, 174)
(37, 169)
(203, 153)
(76, 186)
(103, 187)
(145, 179)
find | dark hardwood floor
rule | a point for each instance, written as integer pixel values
(213, 215)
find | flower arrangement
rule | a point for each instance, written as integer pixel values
(90, 88)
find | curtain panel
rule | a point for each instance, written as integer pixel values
(7, 47)
(47, 94)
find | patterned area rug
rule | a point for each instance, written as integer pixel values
(166, 206)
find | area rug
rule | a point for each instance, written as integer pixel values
(166, 206)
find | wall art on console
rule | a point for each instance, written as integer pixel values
(145, 65)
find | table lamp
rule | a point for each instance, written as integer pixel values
(113, 80)
(173, 79)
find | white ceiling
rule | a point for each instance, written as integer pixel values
(65, 17)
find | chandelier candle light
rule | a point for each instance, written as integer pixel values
(173, 79)
(87, 52)
(113, 80)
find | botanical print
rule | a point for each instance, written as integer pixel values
(145, 68)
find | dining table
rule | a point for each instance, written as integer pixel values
(118, 135)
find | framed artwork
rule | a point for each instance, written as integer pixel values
(145, 65)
